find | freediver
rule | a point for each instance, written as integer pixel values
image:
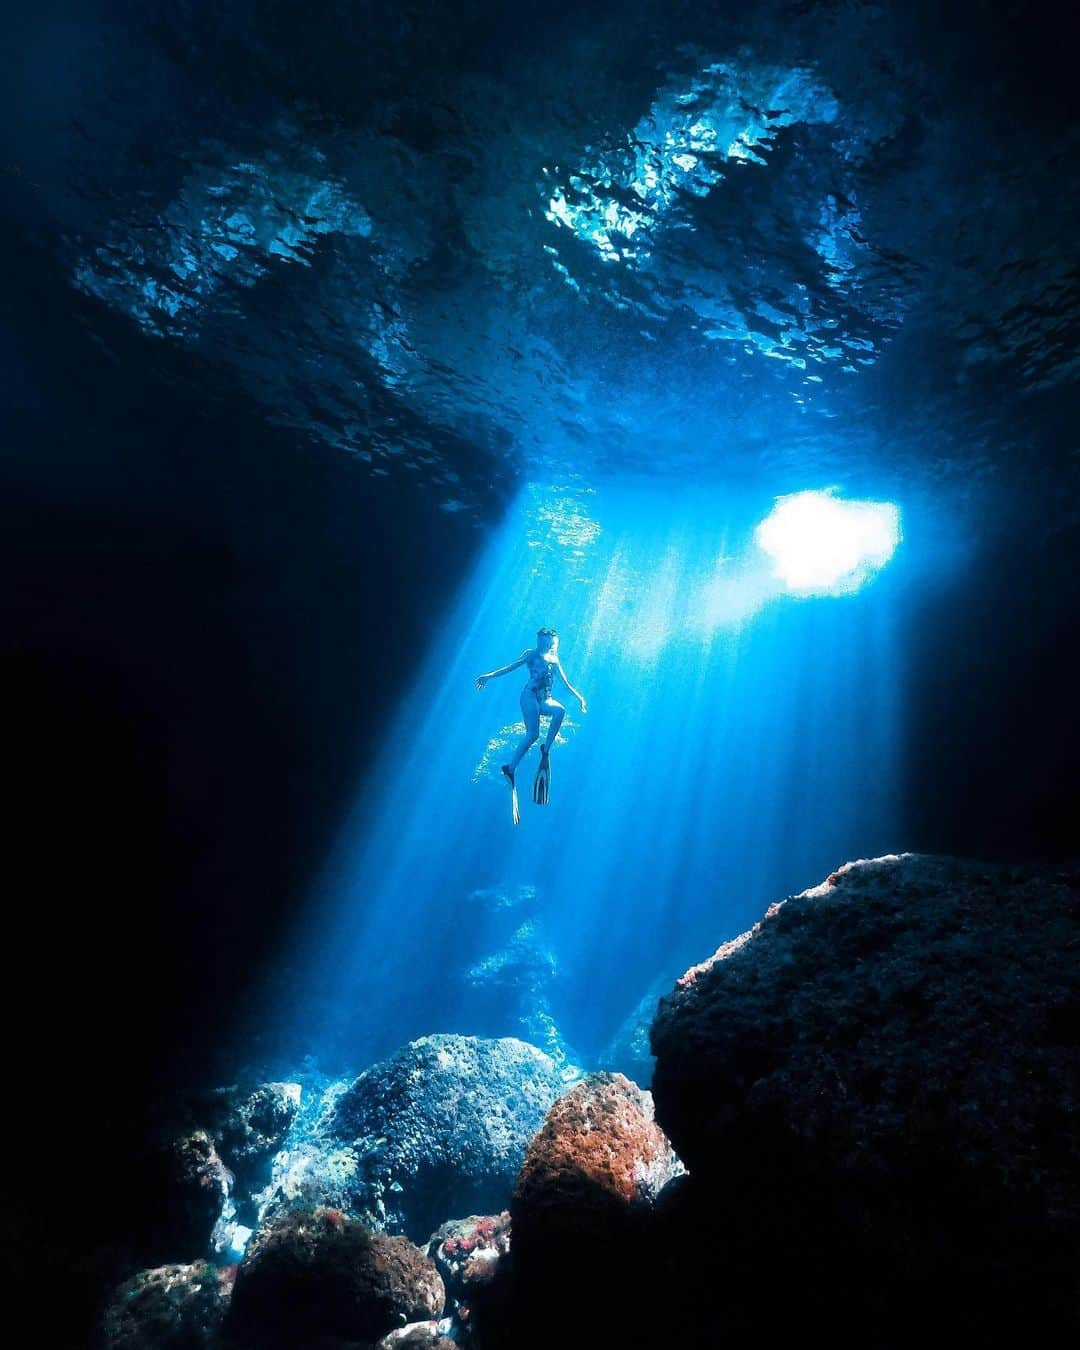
(543, 665)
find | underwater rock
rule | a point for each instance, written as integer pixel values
(511, 988)
(249, 1126)
(467, 1252)
(881, 1076)
(586, 1196)
(317, 1273)
(417, 1336)
(439, 1128)
(599, 1158)
(194, 1185)
(523, 968)
(629, 1051)
(176, 1307)
(493, 900)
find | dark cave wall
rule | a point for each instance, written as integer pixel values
(993, 735)
(205, 625)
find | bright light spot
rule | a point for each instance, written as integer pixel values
(822, 545)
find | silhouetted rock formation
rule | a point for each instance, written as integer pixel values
(187, 1184)
(318, 1274)
(875, 1090)
(879, 1082)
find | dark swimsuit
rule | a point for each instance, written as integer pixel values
(541, 677)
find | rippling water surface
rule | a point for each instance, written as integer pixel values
(794, 242)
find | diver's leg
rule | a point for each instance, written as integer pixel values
(555, 710)
(530, 711)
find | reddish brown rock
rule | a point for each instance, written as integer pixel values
(317, 1273)
(583, 1221)
(599, 1149)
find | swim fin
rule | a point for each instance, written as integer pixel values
(542, 781)
(515, 813)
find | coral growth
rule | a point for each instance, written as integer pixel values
(467, 1252)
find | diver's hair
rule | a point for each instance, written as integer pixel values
(546, 632)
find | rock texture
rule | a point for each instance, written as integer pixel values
(600, 1152)
(177, 1307)
(417, 1336)
(882, 1077)
(467, 1252)
(583, 1209)
(438, 1129)
(192, 1185)
(317, 1273)
(249, 1125)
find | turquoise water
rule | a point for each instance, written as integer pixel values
(739, 743)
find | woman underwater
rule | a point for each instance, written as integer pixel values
(543, 665)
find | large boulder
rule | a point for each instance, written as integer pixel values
(438, 1129)
(584, 1228)
(882, 1077)
(176, 1307)
(318, 1275)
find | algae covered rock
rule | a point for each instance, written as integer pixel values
(599, 1157)
(908, 1005)
(318, 1274)
(584, 1227)
(882, 1077)
(249, 1125)
(438, 1129)
(175, 1307)
(190, 1185)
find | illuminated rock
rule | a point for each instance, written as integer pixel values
(439, 1128)
(249, 1126)
(584, 1207)
(317, 1273)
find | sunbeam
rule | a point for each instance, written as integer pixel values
(736, 742)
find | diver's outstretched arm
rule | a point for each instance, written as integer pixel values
(481, 680)
(569, 686)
